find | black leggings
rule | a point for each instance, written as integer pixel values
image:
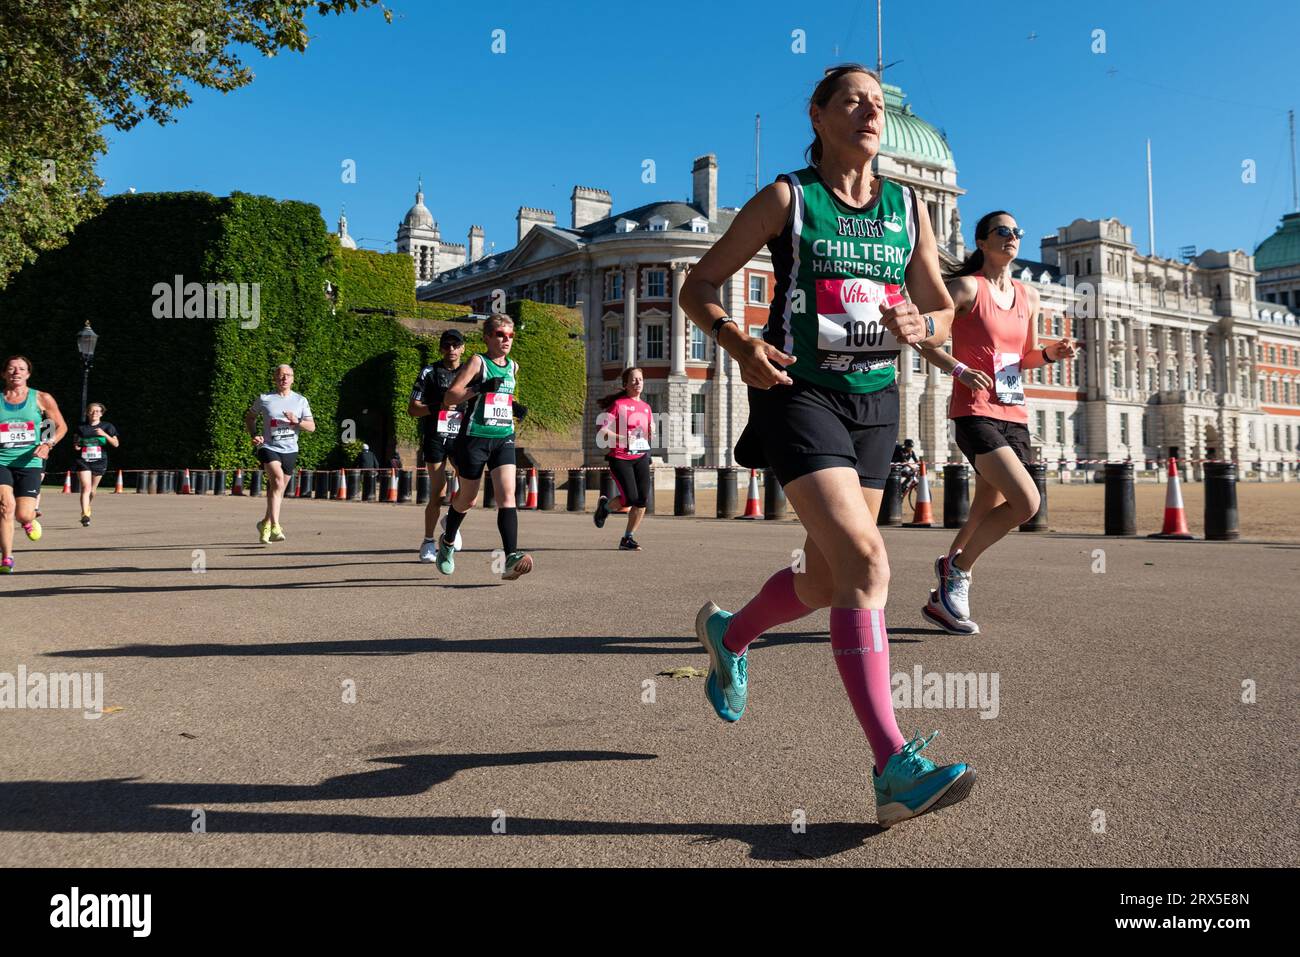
(631, 478)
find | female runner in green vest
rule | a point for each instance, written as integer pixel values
(823, 407)
(24, 450)
(487, 440)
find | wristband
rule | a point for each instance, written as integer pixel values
(717, 326)
(961, 367)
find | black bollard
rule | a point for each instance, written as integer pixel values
(489, 491)
(151, 482)
(891, 503)
(355, 489)
(1121, 509)
(521, 487)
(650, 494)
(1038, 472)
(371, 480)
(577, 490)
(255, 483)
(684, 491)
(607, 483)
(219, 482)
(546, 490)
(727, 492)
(141, 483)
(1221, 501)
(956, 495)
(423, 487)
(773, 496)
(405, 481)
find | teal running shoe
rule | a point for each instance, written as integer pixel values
(446, 556)
(912, 785)
(727, 686)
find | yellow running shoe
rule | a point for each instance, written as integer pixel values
(33, 530)
(277, 533)
(264, 532)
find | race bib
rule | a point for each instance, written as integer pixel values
(498, 408)
(281, 430)
(848, 316)
(1010, 385)
(91, 453)
(637, 441)
(17, 434)
(449, 422)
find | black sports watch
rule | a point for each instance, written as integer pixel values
(717, 326)
(929, 326)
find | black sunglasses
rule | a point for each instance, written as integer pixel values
(1008, 231)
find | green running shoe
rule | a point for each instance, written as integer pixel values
(446, 559)
(727, 686)
(911, 785)
(264, 532)
(517, 565)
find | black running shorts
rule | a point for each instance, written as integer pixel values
(288, 460)
(473, 453)
(803, 428)
(438, 448)
(26, 483)
(980, 434)
(631, 478)
(98, 467)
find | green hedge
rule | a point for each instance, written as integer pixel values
(177, 388)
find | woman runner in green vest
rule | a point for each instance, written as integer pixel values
(823, 405)
(487, 441)
(24, 450)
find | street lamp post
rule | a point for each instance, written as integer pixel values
(86, 340)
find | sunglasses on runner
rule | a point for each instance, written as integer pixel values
(504, 335)
(1007, 231)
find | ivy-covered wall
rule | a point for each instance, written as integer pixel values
(177, 387)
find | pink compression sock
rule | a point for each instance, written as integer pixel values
(775, 604)
(861, 647)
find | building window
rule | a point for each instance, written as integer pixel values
(1039, 320)
(656, 284)
(756, 332)
(1123, 428)
(699, 345)
(571, 292)
(1117, 374)
(613, 344)
(654, 340)
(1060, 428)
(1171, 379)
(699, 225)
(1042, 426)
(758, 289)
(614, 285)
(916, 362)
(1089, 265)
(697, 413)
(1056, 324)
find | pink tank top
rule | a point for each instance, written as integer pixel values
(630, 421)
(992, 340)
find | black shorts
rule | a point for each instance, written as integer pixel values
(437, 448)
(980, 434)
(26, 483)
(631, 478)
(288, 460)
(803, 428)
(473, 453)
(94, 468)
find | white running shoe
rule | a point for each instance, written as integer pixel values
(935, 612)
(457, 545)
(428, 550)
(954, 593)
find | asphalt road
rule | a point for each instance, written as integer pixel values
(1118, 735)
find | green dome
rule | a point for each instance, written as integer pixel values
(1282, 248)
(909, 137)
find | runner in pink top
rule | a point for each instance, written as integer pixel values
(627, 430)
(994, 343)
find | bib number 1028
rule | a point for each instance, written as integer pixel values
(863, 334)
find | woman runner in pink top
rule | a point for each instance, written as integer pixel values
(994, 343)
(627, 430)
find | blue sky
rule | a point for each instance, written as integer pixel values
(586, 91)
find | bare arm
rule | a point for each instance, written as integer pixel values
(962, 291)
(45, 402)
(926, 291)
(415, 408)
(250, 424)
(459, 390)
(760, 221)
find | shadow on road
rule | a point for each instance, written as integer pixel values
(131, 806)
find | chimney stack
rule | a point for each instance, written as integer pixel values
(705, 181)
(590, 205)
(528, 217)
(475, 245)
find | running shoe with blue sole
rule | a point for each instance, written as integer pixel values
(727, 686)
(912, 785)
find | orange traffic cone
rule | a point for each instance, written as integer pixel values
(186, 489)
(923, 517)
(67, 484)
(117, 489)
(342, 495)
(1175, 515)
(392, 485)
(531, 501)
(752, 507)
(239, 483)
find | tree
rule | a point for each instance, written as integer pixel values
(68, 69)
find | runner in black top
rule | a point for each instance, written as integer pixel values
(439, 429)
(91, 440)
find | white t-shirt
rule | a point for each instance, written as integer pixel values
(277, 434)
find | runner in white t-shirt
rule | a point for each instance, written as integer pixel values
(284, 414)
